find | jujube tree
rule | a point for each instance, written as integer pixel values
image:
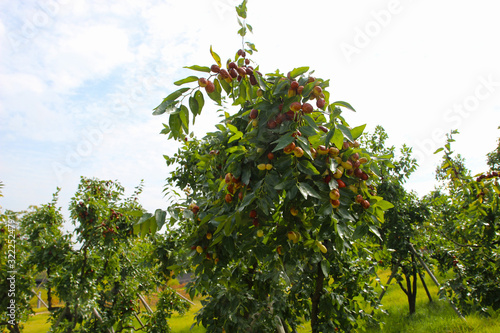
(278, 196)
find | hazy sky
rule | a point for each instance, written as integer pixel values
(79, 80)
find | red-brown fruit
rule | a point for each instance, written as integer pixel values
(365, 204)
(255, 222)
(254, 113)
(241, 71)
(272, 124)
(210, 88)
(228, 198)
(224, 73)
(317, 90)
(323, 128)
(281, 117)
(228, 178)
(253, 80)
(202, 82)
(294, 85)
(240, 195)
(270, 156)
(289, 149)
(232, 65)
(358, 172)
(247, 61)
(300, 89)
(307, 108)
(295, 106)
(359, 198)
(320, 103)
(341, 183)
(215, 68)
(233, 73)
(290, 115)
(253, 214)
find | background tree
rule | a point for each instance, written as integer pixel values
(465, 213)
(48, 246)
(403, 222)
(16, 277)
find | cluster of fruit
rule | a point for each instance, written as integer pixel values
(487, 176)
(234, 71)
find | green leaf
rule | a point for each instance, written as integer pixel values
(165, 106)
(385, 205)
(193, 106)
(174, 121)
(169, 102)
(160, 216)
(282, 142)
(236, 136)
(325, 267)
(241, 10)
(310, 121)
(344, 104)
(201, 101)
(338, 139)
(346, 131)
(298, 71)
(216, 94)
(375, 231)
(306, 167)
(357, 131)
(247, 199)
(186, 80)
(215, 56)
(439, 150)
(184, 117)
(199, 68)
(307, 190)
(262, 83)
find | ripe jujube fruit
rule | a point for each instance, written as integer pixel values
(340, 183)
(365, 204)
(270, 156)
(232, 65)
(294, 85)
(210, 87)
(233, 73)
(202, 82)
(298, 152)
(323, 128)
(252, 214)
(320, 103)
(307, 108)
(272, 124)
(335, 203)
(215, 68)
(322, 150)
(254, 113)
(290, 148)
(295, 106)
(228, 198)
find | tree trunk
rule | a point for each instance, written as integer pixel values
(315, 300)
(49, 289)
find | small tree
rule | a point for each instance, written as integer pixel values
(16, 279)
(465, 216)
(47, 244)
(402, 223)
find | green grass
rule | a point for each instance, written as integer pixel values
(436, 316)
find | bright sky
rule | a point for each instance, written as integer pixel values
(79, 80)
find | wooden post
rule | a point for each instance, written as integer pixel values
(393, 273)
(146, 305)
(434, 279)
(40, 300)
(425, 286)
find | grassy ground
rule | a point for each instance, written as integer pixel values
(436, 316)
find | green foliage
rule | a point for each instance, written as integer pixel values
(279, 200)
(466, 215)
